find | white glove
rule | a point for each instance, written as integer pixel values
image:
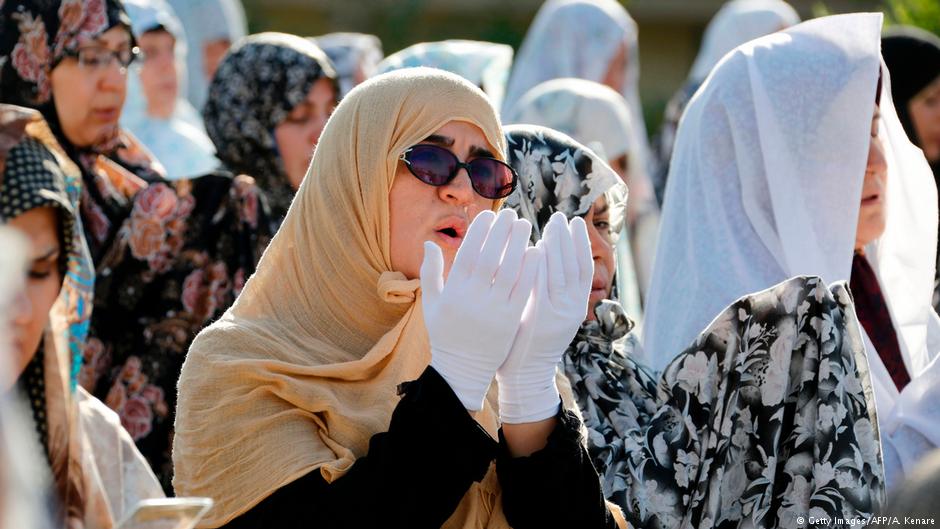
(559, 303)
(473, 317)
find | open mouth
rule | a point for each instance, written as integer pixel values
(452, 230)
(871, 199)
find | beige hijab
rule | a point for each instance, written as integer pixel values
(303, 369)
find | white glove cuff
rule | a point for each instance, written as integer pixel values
(519, 405)
(468, 382)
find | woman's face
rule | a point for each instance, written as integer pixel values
(621, 166)
(924, 110)
(871, 214)
(31, 311)
(617, 69)
(298, 134)
(212, 53)
(602, 249)
(88, 98)
(158, 74)
(421, 212)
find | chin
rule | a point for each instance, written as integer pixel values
(593, 301)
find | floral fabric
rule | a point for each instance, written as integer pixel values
(768, 416)
(257, 85)
(556, 173)
(766, 420)
(174, 265)
(168, 257)
(37, 35)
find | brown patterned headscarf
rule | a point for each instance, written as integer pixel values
(37, 35)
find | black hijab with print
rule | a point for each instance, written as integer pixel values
(36, 174)
(256, 86)
(763, 420)
(32, 178)
(913, 58)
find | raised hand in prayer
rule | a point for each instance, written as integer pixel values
(559, 302)
(473, 316)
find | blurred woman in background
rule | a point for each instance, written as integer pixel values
(355, 57)
(594, 40)
(737, 22)
(211, 27)
(97, 474)
(485, 64)
(268, 104)
(168, 257)
(596, 116)
(155, 112)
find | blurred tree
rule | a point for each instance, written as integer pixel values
(921, 13)
(820, 9)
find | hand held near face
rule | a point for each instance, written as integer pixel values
(559, 302)
(473, 316)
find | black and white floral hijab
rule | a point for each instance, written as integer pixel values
(258, 83)
(556, 173)
(765, 420)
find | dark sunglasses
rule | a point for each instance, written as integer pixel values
(437, 166)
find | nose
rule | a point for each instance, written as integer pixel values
(114, 77)
(316, 128)
(22, 308)
(598, 243)
(877, 165)
(459, 190)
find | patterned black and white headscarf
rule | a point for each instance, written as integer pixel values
(765, 420)
(556, 173)
(258, 83)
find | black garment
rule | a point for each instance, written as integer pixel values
(913, 58)
(416, 473)
(556, 486)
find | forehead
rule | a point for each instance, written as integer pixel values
(115, 37)
(465, 135)
(39, 225)
(156, 36)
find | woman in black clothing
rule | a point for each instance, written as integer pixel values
(288, 411)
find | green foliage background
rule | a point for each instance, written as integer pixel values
(922, 13)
